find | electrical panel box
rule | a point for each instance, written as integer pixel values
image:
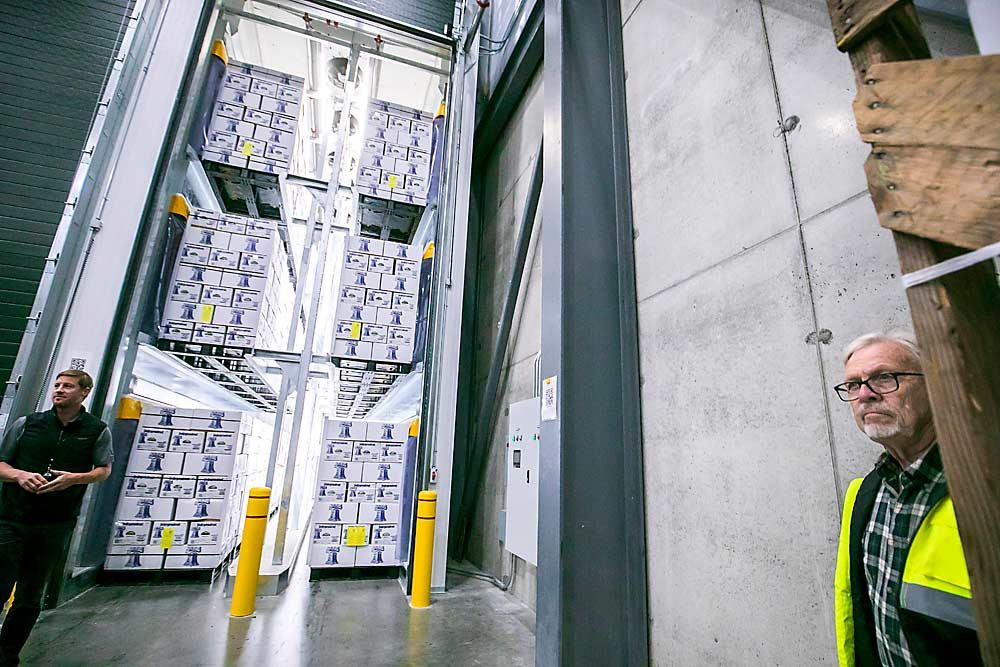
(522, 479)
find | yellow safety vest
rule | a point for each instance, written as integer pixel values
(935, 577)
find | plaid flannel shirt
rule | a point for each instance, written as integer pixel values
(900, 507)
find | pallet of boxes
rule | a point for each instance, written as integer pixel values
(396, 155)
(181, 500)
(356, 514)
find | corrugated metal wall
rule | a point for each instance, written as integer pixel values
(431, 15)
(54, 55)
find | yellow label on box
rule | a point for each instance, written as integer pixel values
(392, 181)
(206, 314)
(357, 536)
(247, 148)
(355, 330)
(168, 538)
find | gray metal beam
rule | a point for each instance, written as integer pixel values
(591, 601)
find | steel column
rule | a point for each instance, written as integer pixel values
(591, 603)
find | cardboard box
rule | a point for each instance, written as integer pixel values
(278, 152)
(208, 464)
(283, 107)
(347, 528)
(356, 261)
(407, 268)
(264, 87)
(252, 244)
(165, 463)
(236, 317)
(331, 555)
(244, 280)
(400, 336)
(399, 124)
(187, 442)
(416, 184)
(390, 180)
(384, 533)
(153, 439)
(194, 254)
(376, 555)
(180, 311)
(382, 472)
(387, 492)
(379, 264)
(220, 442)
(286, 123)
(166, 417)
(347, 330)
(231, 158)
(236, 80)
(198, 274)
(146, 550)
(402, 354)
(408, 169)
(130, 533)
(256, 116)
(268, 165)
(205, 533)
(387, 432)
(229, 110)
(374, 333)
(235, 224)
(252, 262)
(402, 251)
(385, 163)
(328, 511)
(194, 559)
(272, 135)
(327, 533)
(176, 331)
(354, 312)
(238, 337)
(232, 126)
(345, 429)
(141, 486)
(216, 420)
(341, 471)
(352, 349)
(378, 118)
(235, 96)
(408, 198)
(404, 301)
(397, 152)
(361, 492)
(336, 491)
(136, 561)
(212, 488)
(185, 291)
(145, 509)
(337, 450)
(224, 259)
(221, 141)
(391, 453)
(421, 128)
(417, 141)
(396, 318)
(289, 93)
(200, 509)
(246, 299)
(384, 134)
(379, 298)
(173, 486)
(374, 191)
(360, 279)
(369, 176)
(366, 451)
(159, 537)
(408, 284)
(209, 334)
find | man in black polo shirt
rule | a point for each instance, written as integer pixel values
(46, 461)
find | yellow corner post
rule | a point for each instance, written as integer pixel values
(423, 549)
(129, 408)
(248, 569)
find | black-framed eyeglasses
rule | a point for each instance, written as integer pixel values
(880, 383)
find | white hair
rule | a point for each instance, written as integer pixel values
(900, 337)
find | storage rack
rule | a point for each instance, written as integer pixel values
(375, 378)
(228, 367)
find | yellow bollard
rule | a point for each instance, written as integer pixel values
(423, 550)
(248, 569)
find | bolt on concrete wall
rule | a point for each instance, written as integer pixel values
(505, 189)
(758, 257)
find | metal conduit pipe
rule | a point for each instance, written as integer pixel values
(488, 406)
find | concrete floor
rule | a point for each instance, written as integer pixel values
(341, 622)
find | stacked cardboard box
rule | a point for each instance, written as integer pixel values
(377, 302)
(223, 274)
(356, 515)
(254, 119)
(396, 155)
(180, 503)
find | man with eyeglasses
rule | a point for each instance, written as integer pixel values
(903, 596)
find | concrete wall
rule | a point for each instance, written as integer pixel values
(748, 242)
(505, 189)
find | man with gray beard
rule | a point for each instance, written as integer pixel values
(903, 596)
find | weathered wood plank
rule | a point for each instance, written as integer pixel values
(955, 319)
(854, 19)
(950, 195)
(946, 102)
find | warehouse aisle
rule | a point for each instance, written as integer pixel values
(314, 623)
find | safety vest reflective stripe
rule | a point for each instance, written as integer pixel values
(938, 604)
(843, 600)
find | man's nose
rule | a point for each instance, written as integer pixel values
(865, 393)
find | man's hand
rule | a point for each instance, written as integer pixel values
(31, 481)
(63, 481)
